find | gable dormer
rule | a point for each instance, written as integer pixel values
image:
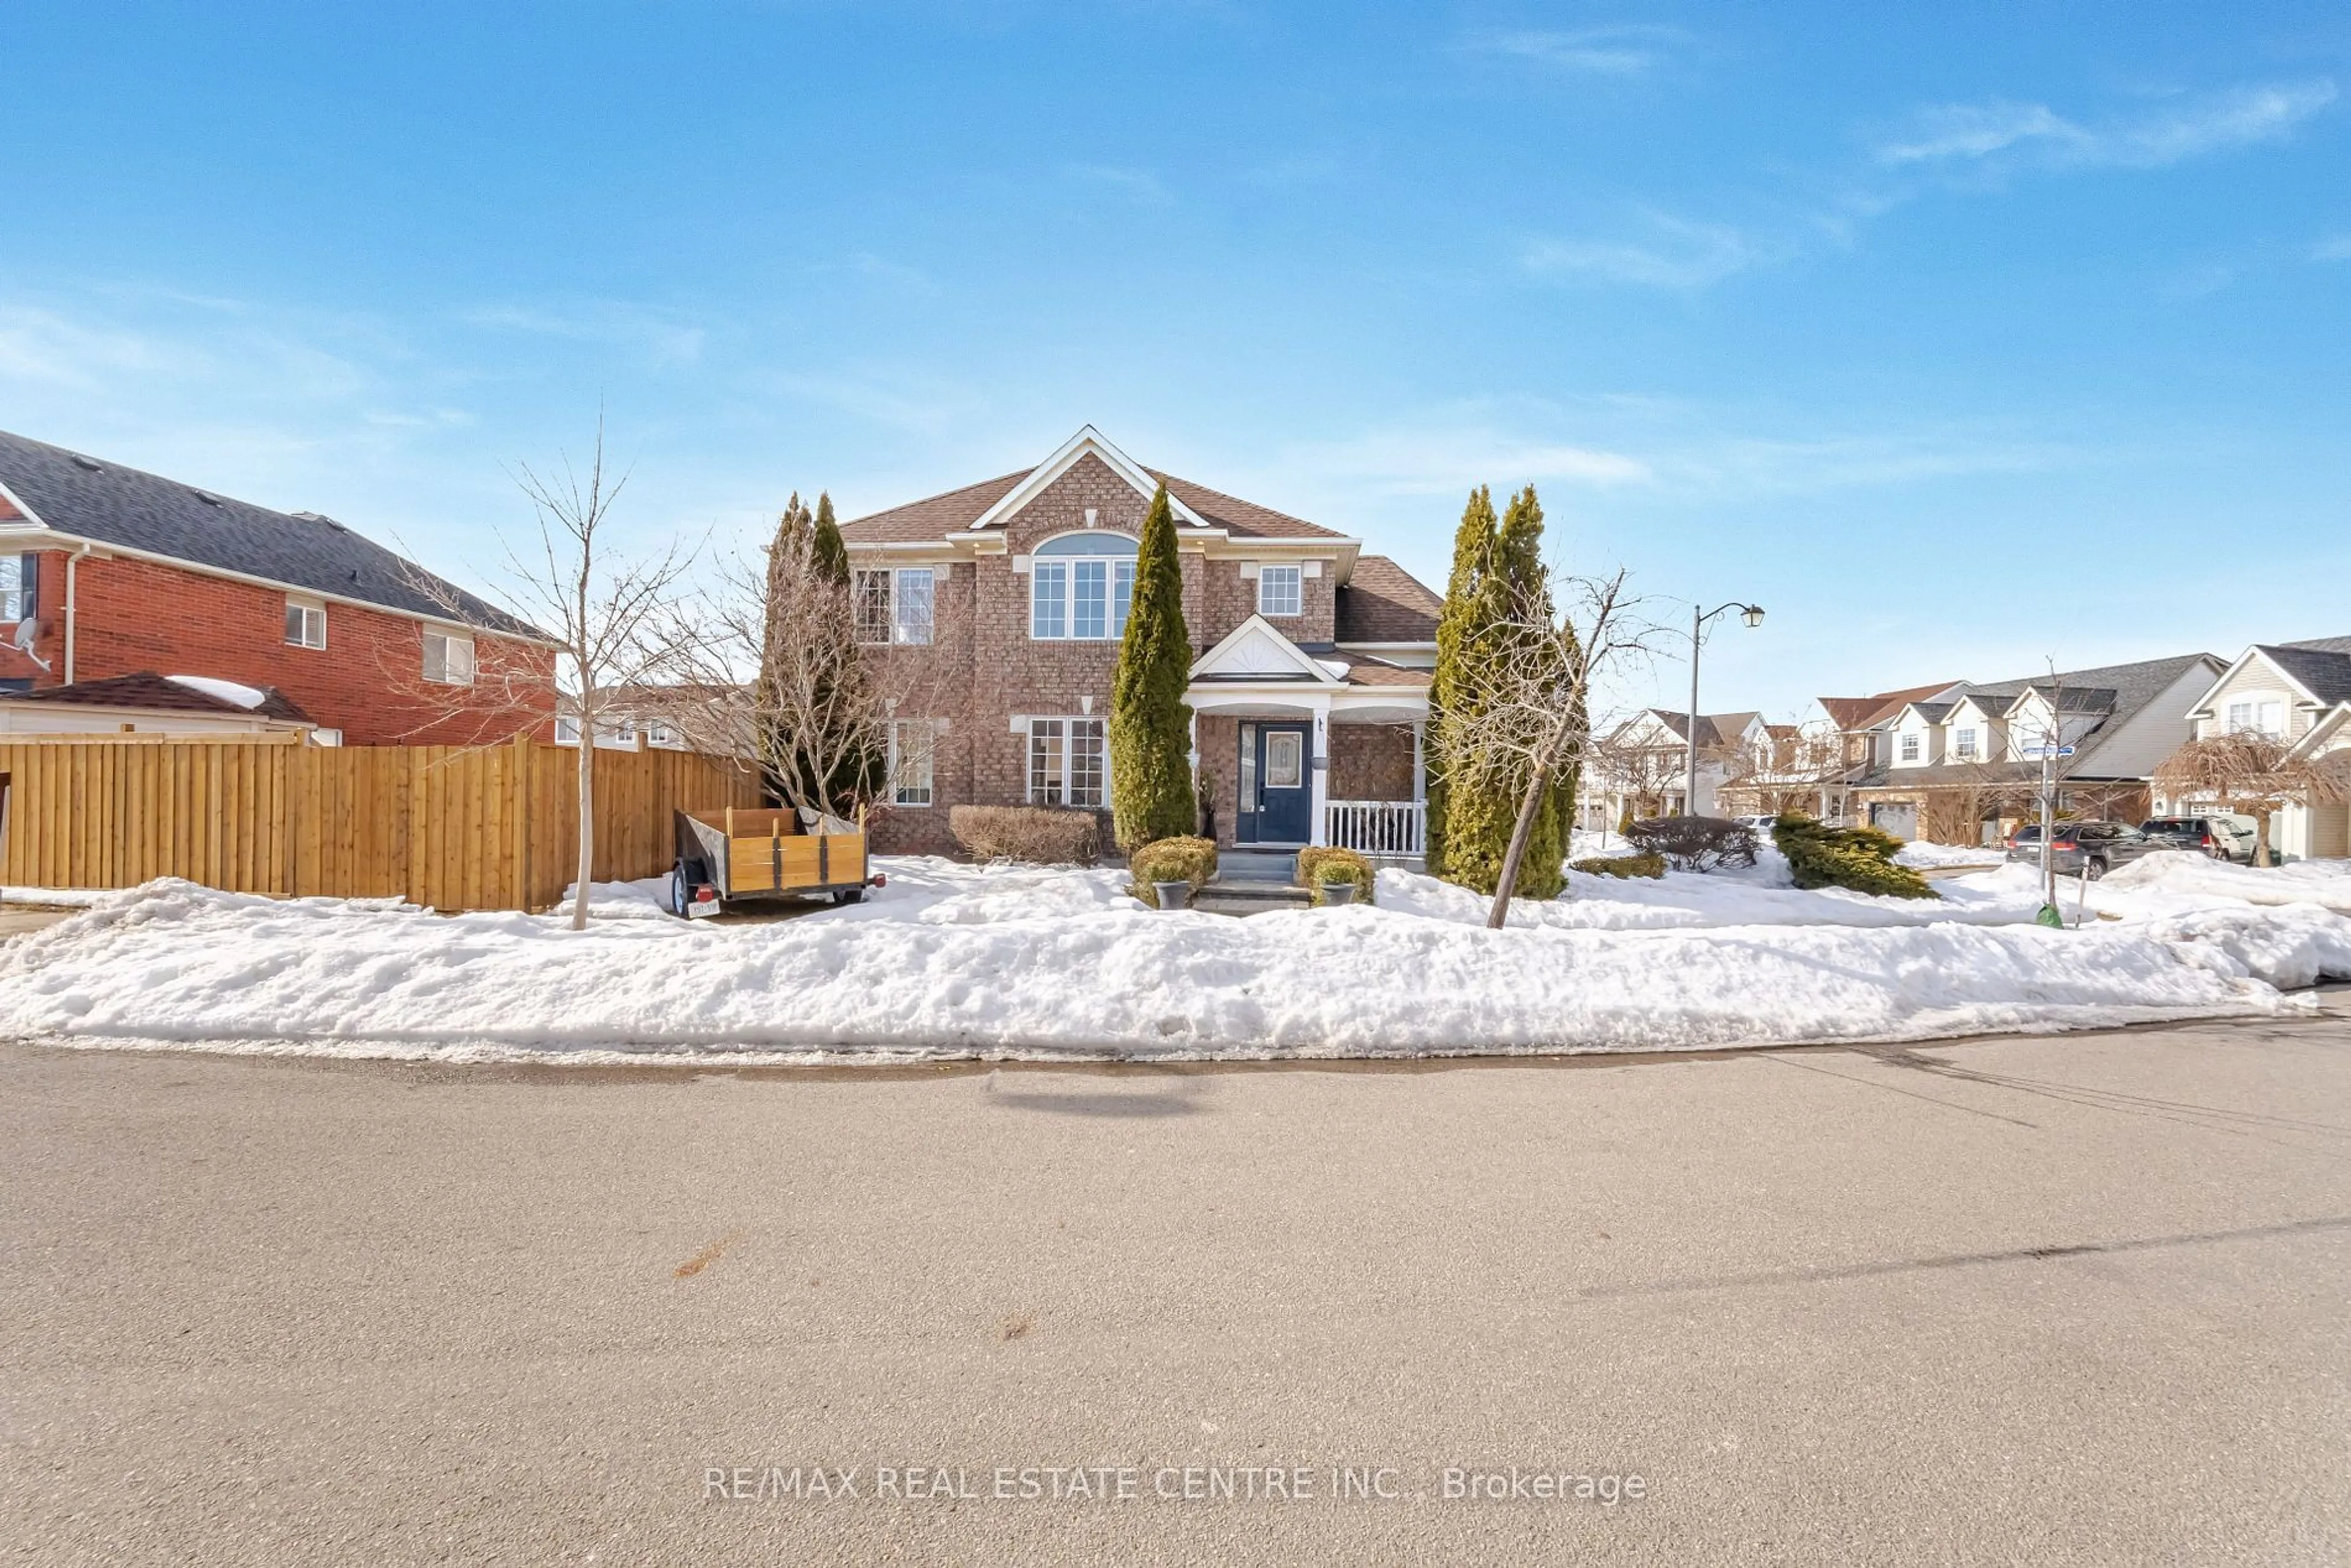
(1915, 736)
(1087, 443)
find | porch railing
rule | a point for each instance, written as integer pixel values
(1396, 830)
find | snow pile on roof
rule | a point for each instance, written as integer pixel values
(958, 961)
(230, 692)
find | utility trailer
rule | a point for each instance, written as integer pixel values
(736, 858)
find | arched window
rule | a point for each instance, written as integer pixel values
(1081, 585)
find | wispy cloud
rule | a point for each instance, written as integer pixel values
(663, 337)
(1625, 50)
(2190, 128)
(2333, 247)
(1670, 253)
(1137, 186)
(1449, 454)
(1747, 467)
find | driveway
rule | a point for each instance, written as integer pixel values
(2052, 1301)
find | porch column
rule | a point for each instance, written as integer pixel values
(1318, 773)
(1192, 740)
(1419, 762)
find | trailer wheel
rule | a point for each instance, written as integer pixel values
(850, 895)
(678, 890)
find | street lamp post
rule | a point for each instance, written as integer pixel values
(1753, 615)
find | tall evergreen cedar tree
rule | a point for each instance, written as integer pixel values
(1150, 726)
(858, 778)
(1497, 579)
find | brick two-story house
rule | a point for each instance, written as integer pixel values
(107, 572)
(1001, 605)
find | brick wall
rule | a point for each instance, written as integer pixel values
(133, 615)
(1371, 762)
(983, 668)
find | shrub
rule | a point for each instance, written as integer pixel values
(1860, 859)
(1693, 843)
(1622, 865)
(1319, 867)
(1031, 835)
(1150, 728)
(1172, 859)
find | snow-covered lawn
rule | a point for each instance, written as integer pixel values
(1918, 852)
(953, 960)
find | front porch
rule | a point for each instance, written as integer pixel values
(1300, 749)
(1278, 783)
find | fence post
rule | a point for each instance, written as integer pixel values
(518, 789)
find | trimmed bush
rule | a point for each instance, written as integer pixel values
(1693, 843)
(1621, 865)
(1172, 859)
(1318, 867)
(1860, 859)
(1032, 835)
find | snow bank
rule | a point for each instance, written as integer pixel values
(54, 897)
(2324, 882)
(1925, 856)
(959, 961)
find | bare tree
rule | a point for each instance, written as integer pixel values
(1530, 713)
(1643, 772)
(2256, 774)
(580, 629)
(779, 662)
(601, 608)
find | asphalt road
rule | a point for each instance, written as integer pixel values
(2063, 1301)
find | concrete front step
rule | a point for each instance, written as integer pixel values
(1221, 897)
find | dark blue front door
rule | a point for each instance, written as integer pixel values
(1277, 793)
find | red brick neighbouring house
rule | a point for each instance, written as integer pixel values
(120, 573)
(997, 608)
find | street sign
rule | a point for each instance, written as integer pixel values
(2038, 753)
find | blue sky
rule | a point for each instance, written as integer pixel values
(1850, 310)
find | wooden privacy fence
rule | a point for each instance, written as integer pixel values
(452, 827)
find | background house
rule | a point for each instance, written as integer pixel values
(1642, 766)
(993, 615)
(2299, 693)
(106, 572)
(1951, 768)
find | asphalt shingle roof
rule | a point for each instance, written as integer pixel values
(104, 502)
(953, 511)
(2325, 670)
(1382, 602)
(148, 690)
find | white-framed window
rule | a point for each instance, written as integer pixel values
(913, 747)
(19, 586)
(449, 658)
(665, 736)
(1910, 745)
(2257, 716)
(1280, 590)
(895, 604)
(1067, 761)
(306, 622)
(1081, 587)
(1963, 744)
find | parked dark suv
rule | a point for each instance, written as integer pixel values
(2102, 846)
(2217, 837)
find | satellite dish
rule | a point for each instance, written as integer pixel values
(28, 633)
